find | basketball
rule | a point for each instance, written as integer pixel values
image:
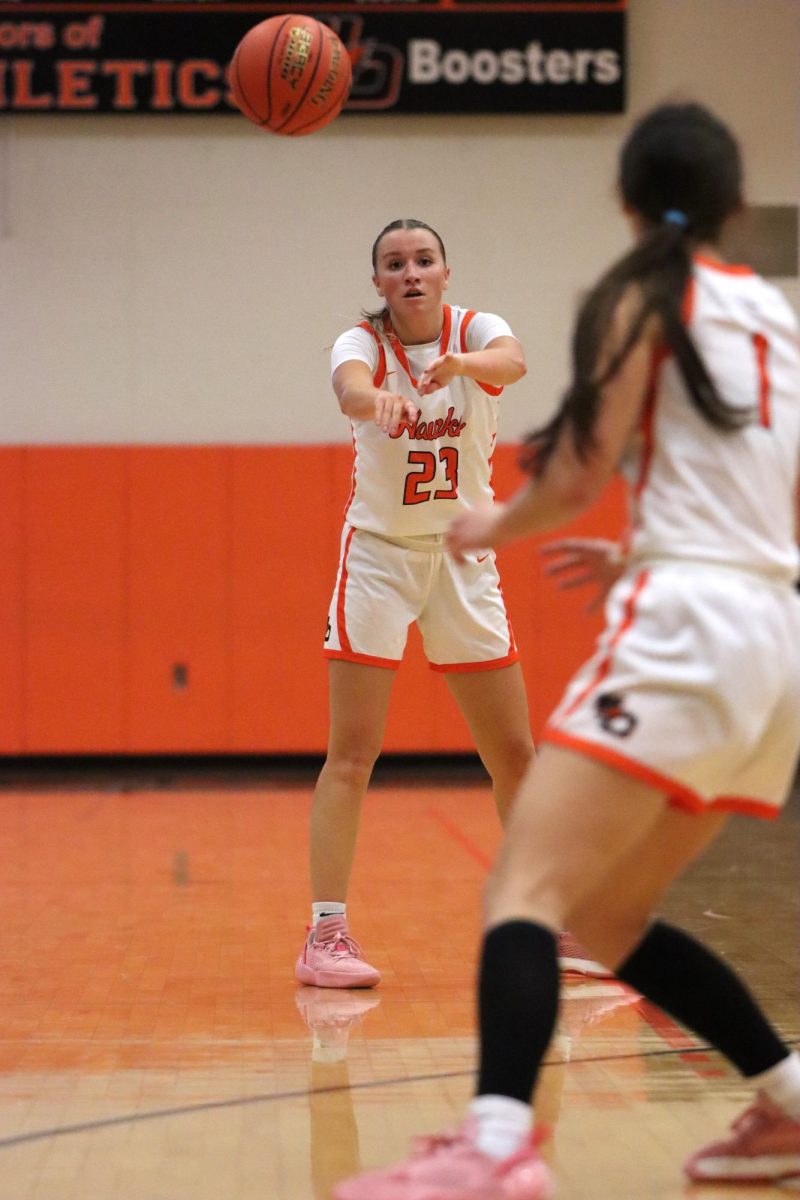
(290, 74)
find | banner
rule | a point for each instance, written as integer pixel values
(436, 56)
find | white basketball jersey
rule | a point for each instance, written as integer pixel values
(700, 492)
(415, 481)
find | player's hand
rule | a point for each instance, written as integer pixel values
(473, 529)
(392, 408)
(441, 371)
(578, 562)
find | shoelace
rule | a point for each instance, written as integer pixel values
(340, 945)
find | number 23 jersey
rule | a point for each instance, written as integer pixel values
(415, 481)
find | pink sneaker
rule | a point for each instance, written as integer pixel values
(573, 959)
(449, 1167)
(763, 1147)
(331, 958)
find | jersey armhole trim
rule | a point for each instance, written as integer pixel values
(380, 371)
(490, 389)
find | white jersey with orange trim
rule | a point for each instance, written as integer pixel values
(415, 481)
(694, 688)
(705, 494)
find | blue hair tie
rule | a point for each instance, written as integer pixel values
(674, 216)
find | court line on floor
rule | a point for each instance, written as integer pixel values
(458, 835)
(188, 1110)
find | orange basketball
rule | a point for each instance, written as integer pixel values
(290, 74)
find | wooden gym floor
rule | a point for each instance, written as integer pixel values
(154, 1045)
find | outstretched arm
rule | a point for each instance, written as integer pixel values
(502, 361)
(570, 483)
(360, 399)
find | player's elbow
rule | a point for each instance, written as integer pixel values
(345, 404)
(352, 402)
(518, 368)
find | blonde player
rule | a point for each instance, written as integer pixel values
(421, 382)
(687, 378)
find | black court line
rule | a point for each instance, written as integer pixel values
(188, 1110)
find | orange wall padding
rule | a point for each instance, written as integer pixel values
(172, 599)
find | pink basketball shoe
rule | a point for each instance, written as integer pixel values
(449, 1167)
(763, 1147)
(331, 958)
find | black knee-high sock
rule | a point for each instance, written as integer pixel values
(518, 1005)
(690, 983)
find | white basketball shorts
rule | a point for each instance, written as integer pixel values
(382, 586)
(694, 687)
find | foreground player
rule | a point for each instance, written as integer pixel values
(687, 377)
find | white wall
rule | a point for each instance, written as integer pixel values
(178, 279)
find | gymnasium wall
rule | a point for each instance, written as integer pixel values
(173, 465)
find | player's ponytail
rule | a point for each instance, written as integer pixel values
(680, 172)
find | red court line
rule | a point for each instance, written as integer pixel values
(678, 1039)
(459, 836)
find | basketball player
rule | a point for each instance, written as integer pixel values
(687, 378)
(421, 382)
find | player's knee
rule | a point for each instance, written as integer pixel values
(521, 756)
(352, 768)
(511, 763)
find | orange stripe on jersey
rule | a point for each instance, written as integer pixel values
(447, 326)
(678, 795)
(493, 664)
(341, 625)
(762, 350)
(401, 357)
(725, 268)
(490, 389)
(749, 808)
(368, 660)
(380, 370)
(397, 347)
(353, 473)
(604, 666)
(630, 766)
(511, 639)
(744, 805)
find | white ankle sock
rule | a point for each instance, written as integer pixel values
(326, 908)
(503, 1124)
(782, 1084)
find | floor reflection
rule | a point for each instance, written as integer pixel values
(154, 1045)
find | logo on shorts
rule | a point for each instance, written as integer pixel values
(610, 709)
(328, 630)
